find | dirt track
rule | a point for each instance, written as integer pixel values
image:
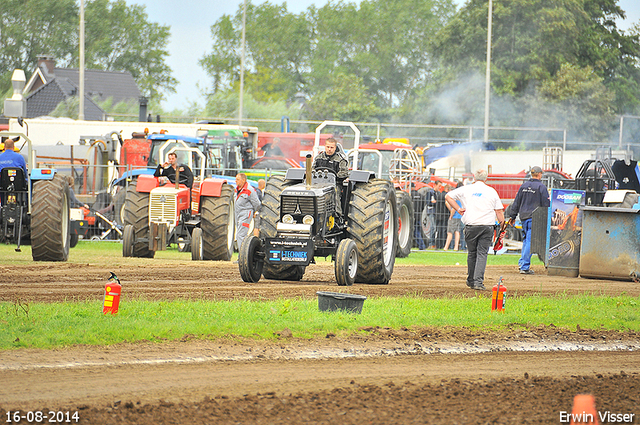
(401, 376)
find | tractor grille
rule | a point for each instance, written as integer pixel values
(298, 205)
(162, 208)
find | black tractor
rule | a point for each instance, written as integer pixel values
(302, 217)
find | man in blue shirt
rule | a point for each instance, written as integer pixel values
(531, 195)
(12, 159)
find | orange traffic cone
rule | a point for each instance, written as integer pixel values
(584, 410)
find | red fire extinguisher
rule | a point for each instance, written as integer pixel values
(112, 295)
(499, 296)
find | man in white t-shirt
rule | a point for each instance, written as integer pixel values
(481, 207)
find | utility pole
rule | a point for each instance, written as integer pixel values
(81, 65)
(487, 84)
(244, 24)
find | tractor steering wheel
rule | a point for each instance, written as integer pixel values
(328, 169)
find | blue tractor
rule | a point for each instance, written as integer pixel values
(35, 210)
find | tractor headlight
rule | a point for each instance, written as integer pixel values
(307, 219)
(288, 219)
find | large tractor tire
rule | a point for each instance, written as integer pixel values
(269, 216)
(218, 225)
(136, 214)
(50, 235)
(373, 225)
(406, 223)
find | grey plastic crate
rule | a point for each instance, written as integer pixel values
(333, 301)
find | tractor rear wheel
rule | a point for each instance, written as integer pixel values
(50, 235)
(373, 225)
(136, 214)
(406, 223)
(218, 225)
(269, 216)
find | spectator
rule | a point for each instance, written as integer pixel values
(430, 208)
(418, 206)
(481, 206)
(167, 172)
(261, 185)
(75, 203)
(273, 148)
(454, 227)
(441, 214)
(531, 195)
(12, 159)
(247, 206)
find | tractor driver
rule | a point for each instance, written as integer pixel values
(167, 172)
(12, 159)
(333, 160)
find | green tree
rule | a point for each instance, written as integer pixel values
(120, 37)
(577, 99)
(31, 28)
(533, 39)
(224, 104)
(277, 46)
(382, 42)
(117, 38)
(346, 99)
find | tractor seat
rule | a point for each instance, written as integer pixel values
(12, 180)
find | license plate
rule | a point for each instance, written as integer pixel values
(289, 251)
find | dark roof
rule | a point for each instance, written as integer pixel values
(45, 99)
(102, 85)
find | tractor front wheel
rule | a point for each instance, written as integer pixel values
(196, 244)
(346, 265)
(250, 262)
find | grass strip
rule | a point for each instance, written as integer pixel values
(46, 325)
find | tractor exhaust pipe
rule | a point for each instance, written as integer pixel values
(308, 173)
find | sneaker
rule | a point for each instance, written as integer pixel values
(529, 271)
(479, 287)
(470, 285)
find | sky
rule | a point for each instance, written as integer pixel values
(190, 24)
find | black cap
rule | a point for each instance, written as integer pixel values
(536, 170)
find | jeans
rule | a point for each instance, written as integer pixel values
(478, 243)
(525, 259)
(417, 235)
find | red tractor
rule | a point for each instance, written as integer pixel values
(201, 217)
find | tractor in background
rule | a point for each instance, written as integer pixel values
(37, 210)
(200, 218)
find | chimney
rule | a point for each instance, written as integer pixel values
(46, 63)
(142, 114)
